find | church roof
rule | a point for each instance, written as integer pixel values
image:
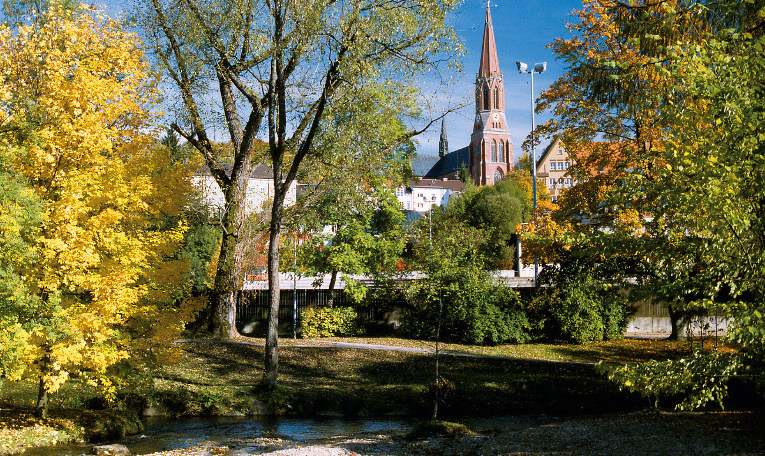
(489, 65)
(421, 164)
(449, 163)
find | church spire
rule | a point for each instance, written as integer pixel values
(489, 65)
(443, 144)
(491, 150)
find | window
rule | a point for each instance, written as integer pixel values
(568, 165)
(552, 183)
(486, 99)
(568, 182)
(496, 99)
(553, 166)
(419, 195)
(560, 151)
(493, 151)
(502, 151)
(497, 175)
(433, 198)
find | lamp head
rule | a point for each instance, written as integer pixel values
(540, 67)
(521, 67)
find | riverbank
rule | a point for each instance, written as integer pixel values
(21, 430)
(638, 433)
(336, 378)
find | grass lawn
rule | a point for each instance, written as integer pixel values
(615, 351)
(216, 379)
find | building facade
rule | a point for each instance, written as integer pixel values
(421, 196)
(553, 169)
(260, 189)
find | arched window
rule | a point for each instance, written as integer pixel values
(502, 152)
(496, 99)
(497, 175)
(493, 151)
(486, 99)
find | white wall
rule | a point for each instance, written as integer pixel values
(258, 192)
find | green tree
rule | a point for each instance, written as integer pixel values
(459, 299)
(369, 242)
(278, 66)
(686, 205)
(495, 211)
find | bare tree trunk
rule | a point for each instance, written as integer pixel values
(675, 320)
(274, 290)
(228, 277)
(332, 282)
(41, 407)
(223, 307)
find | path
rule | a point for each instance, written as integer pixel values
(314, 343)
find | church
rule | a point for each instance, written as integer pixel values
(489, 156)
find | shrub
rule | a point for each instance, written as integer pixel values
(580, 311)
(329, 322)
(472, 311)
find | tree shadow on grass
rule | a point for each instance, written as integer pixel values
(625, 351)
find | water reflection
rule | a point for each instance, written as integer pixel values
(166, 434)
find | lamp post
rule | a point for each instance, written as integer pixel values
(538, 68)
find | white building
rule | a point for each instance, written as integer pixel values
(260, 189)
(420, 196)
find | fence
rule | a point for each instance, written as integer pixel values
(252, 305)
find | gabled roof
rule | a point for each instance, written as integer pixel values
(547, 151)
(451, 184)
(449, 163)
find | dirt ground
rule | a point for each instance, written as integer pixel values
(641, 433)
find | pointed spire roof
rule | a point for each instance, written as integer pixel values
(443, 144)
(489, 65)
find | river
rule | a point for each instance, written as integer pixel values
(167, 434)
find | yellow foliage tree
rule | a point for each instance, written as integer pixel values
(76, 106)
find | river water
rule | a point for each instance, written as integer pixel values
(165, 434)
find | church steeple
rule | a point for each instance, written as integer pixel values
(489, 65)
(443, 143)
(491, 151)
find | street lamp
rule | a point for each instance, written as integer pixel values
(538, 68)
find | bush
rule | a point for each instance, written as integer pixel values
(472, 311)
(329, 322)
(580, 311)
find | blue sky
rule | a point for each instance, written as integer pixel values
(522, 30)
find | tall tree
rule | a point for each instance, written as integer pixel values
(611, 111)
(278, 66)
(95, 284)
(684, 205)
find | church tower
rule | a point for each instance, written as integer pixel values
(491, 151)
(443, 143)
